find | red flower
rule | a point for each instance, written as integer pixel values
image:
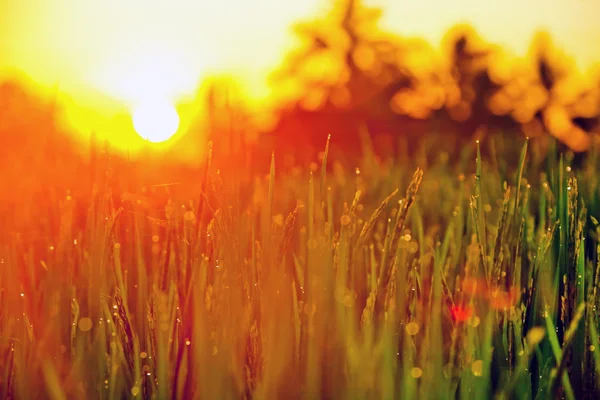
(460, 313)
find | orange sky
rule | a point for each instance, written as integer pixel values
(133, 49)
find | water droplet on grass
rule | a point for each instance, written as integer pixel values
(412, 328)
(189, 216)
(85, 324)
(416, 372)
(345, 220)
(477, 368)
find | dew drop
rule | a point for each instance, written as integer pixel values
(85, 324)
(477, 368)
(416, 372)
(412, 328)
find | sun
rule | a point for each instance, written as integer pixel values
(155, 121)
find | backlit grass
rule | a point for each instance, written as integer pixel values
(417, 277)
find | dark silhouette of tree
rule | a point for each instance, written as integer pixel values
(343, 76)
(469, 62)
(346, 58)
(350, 73)
(572, 109)
(547, 96)
(472, 86)
(568, 112)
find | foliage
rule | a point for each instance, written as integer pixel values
(349, 64)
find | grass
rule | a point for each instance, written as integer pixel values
(407, 278)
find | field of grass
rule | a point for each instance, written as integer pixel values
(417, 277)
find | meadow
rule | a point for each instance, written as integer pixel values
(426, 275)
(232, 249)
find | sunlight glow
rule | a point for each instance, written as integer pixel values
(141, 42)
(156, 121)
(110, 56)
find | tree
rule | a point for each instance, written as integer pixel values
(344, 60)
(469, 61)
(548, 95)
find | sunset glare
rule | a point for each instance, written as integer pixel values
(114, 47)
(307, 199)
(155, 121)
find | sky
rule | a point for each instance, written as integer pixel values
(116, 47)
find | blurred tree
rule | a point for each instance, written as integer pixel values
(548, 95)
(572, 107)
(469, 58)
(471, 84)
(416, 90)
(348, 73)
(344, 59)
